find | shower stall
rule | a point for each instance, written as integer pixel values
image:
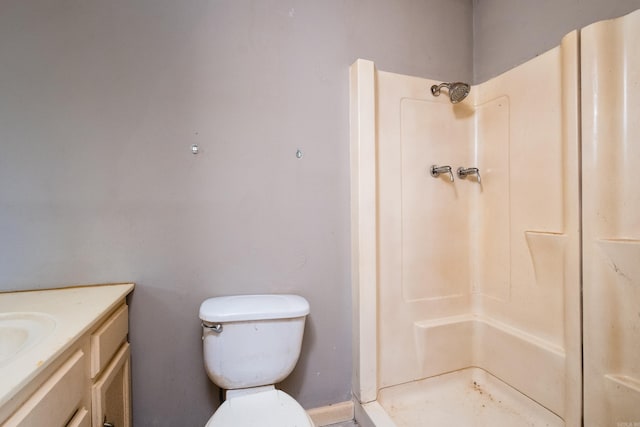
(496, 241)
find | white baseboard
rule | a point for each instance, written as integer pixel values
(332, 414)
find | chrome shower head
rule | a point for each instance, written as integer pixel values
(457, 91)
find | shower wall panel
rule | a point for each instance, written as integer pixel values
(528, 280)
(611, 221)
(434, 243)
(423, 228)
(528, 168)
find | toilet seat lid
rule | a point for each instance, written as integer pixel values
(272, 408)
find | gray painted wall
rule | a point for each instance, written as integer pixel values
(509, 32)
(100, 102)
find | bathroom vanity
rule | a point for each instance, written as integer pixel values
(64, 357)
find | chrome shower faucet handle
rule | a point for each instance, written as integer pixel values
(437, 170)
(464, 172)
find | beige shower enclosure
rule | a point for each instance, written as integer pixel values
(522, 282)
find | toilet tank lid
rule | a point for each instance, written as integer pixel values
(240, 308)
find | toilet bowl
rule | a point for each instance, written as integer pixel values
(272, 408)
(250, 343)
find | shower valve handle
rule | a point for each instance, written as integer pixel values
(464, 172)
(437, 170)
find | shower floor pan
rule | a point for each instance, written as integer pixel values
(466, 398)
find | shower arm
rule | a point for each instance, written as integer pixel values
(435, 89)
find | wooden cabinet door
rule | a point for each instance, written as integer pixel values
(111, 393)
(56, 401)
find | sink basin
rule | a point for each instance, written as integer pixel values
(20, 331)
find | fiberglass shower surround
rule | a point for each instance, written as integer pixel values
(477, 281)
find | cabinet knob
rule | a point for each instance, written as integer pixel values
(106, 423)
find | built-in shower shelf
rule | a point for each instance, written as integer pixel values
(547, 251)
(630, 383)
(622, 394)
(491, 323)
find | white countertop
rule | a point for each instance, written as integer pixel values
(75, 311)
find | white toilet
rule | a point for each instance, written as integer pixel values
(252, 342)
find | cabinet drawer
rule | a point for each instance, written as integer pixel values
(54, 403)
(108, 338)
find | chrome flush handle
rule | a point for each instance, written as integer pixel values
(214, 327)
(464, 172)
(437, 170)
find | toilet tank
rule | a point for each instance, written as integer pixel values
(258, 341)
